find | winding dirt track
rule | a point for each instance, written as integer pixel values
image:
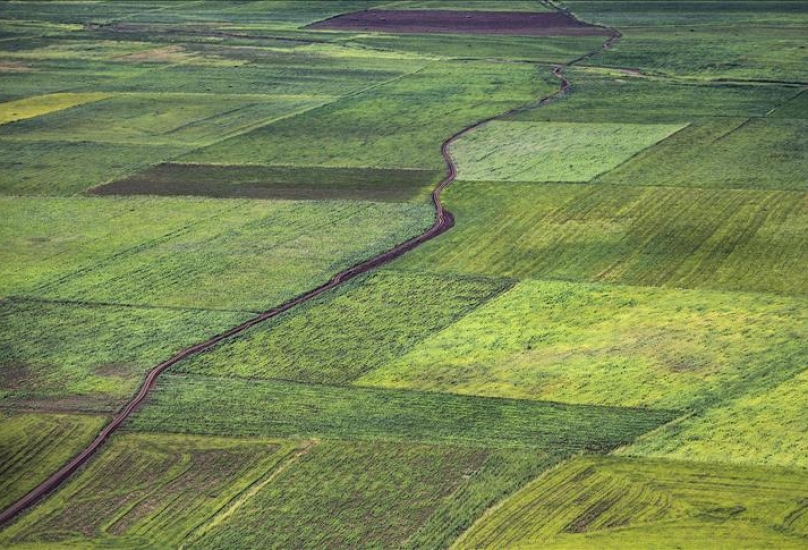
(443, 222)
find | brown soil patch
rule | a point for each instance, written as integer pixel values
(169, 54)
(17, 376)
(461, 22)
(14, 67)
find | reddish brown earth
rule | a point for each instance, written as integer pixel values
(462, 22)
(443, 222)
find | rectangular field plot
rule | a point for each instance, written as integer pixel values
(150, 490)
(764, 426)
(400, 124)
(621, 503)
(620, 96)
(33, 446)
(608, 345)
(349, 495)
(90, 357)
(207, 405)
(794, 108)
(724, 153)
(158, 119)
(650, 236)
(264, 182)
(550, 152)
(31, 107)
(192, 252)
(338, 336)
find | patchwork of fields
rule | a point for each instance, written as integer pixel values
(606, 350)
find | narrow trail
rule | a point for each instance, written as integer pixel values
(443, 222)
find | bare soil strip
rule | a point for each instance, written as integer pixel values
(462, 22)
(443, 222)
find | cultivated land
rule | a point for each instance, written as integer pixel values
(606, 350)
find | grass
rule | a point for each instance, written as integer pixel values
(33, 446)
(91, 357)
(397, 125)
(739, 240)
(337, 337)
(763, 426)
(150, 489)
(262, 182)
(724, 153)
(621, 503)
(551, 151)
(12, 111)
(345, 494)
(615, 96)
(207, 405)
(192, 252)
(608, 345)
(797, 107)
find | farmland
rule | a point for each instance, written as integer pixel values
(221, 251)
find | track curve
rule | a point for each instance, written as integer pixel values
(444, 220)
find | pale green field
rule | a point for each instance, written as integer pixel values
(35, 106)
(625, 503)
(551, 151)
(608, 345)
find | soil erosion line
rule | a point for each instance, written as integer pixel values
(443, 222)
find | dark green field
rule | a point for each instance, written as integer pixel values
(606, 350)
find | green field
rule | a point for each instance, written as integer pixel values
(33, 446)
(549, 152)
(338, 337)
(255, 408)
(620, 503)
(608, 345)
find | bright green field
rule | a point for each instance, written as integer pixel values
(763, 426)
(12, 111)
(191, 252)
(648, 236)
(608, 345)
(251, 408)
(151, 490)
(621, 503)
(334, 339)
(549, 152)
(33, 446)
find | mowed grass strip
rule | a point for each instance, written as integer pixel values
(651, 236)
(91, 357)
(766, 425)
(551, 151)
(724, 153)
(31, 107)
(276, 182)
(33, 446)
(349, 495)
(609, 345)
(338, 336)
(207, 405)
(623, 503)
(149, 489)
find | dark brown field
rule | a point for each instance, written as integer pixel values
(461, 22)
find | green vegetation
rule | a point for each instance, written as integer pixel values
(724, 152)
(250, 408)
(266, 182)
(337, 337)
(91, 357)
(344, 495)
(548, 152)
(193, 253)
(398, 125)
(620, 503)
(650, 236)
(763, 426)
(609, 345)
(33, 446)
(151, 489)
(39, 105)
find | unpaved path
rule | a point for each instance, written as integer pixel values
(443, 222)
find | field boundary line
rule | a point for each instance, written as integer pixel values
(443, 221)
